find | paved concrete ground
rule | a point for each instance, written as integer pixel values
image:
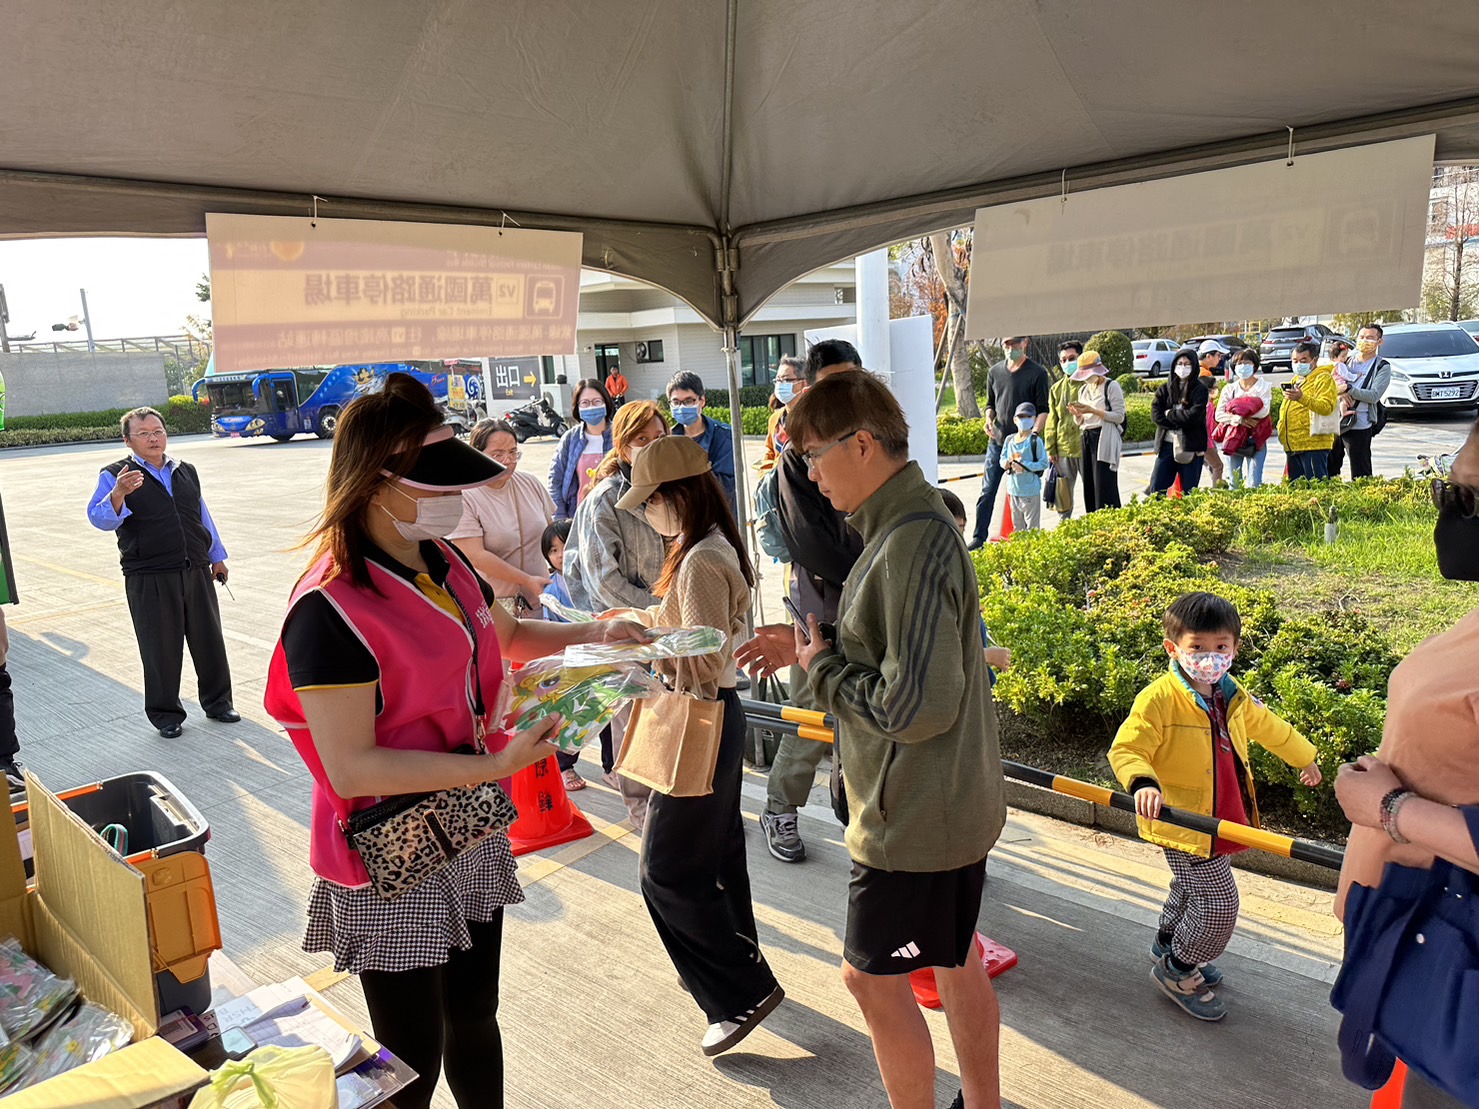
(592, 1014)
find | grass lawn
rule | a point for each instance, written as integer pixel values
(1386, 570)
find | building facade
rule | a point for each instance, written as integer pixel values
(651, 334)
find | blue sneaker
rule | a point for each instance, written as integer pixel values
(1188, 990)
(1210, 974)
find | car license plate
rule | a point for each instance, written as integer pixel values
(234, 434)
(1449, 392)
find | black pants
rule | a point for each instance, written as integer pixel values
(9, 745)
(1358, 445)
(170, 610)
(1167, 470)
(445, 1017)
(697, 886)
(608, 756)
(1101, 484)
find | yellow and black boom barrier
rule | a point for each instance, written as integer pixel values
(810, 724)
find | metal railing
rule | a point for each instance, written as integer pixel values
(810, 724)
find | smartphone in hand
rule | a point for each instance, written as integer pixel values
(796, 616)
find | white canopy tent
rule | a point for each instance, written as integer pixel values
(715, 150)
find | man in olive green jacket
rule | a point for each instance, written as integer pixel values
(904, 674)
(1064, 440)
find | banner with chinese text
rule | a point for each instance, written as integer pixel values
(289, 291)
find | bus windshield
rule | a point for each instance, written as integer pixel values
(229, 397)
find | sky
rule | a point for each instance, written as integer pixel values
(135, 287)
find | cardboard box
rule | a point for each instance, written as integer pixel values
(86, 919)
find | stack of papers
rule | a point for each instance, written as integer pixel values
(283, 1016)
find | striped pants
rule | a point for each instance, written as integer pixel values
(1201, 910)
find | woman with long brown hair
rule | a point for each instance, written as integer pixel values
(694, 876)
(389, 666)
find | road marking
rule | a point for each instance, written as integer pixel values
(111, 583)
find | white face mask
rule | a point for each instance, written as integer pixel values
(662, 519)
(436, 517)
(1183, 372)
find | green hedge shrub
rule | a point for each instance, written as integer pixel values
(182, 416)
(756, 420)
(42, 437)
(1081, 608)
(1129, 384)
(1115, 349)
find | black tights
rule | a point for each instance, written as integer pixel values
(445, 1016)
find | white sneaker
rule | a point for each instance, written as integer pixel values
(727, 1033)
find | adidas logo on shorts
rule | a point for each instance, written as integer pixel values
(908, 951)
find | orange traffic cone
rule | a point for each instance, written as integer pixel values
(997, 959)
(1006, 523)
(546, 816)
(1176, 491)
(1390, 1095)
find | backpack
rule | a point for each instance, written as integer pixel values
(768, 516)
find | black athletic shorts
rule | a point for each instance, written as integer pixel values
(901, 920)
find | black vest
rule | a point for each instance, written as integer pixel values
(163, 533)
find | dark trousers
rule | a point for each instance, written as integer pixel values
(170, 610)
(1310, 465)
(445, 1017)
(1100, 483)
(608, 757)
(986, 502)
(1167, 470)
(9, 745)
(697, 886)
(1358, 445)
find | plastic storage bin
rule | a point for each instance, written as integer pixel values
(155, 816)
(159, 821)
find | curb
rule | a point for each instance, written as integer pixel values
(1072, 810)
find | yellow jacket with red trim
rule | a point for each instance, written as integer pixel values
(1168, 738)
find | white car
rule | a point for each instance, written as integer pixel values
(1153, 356)
(1435, 366)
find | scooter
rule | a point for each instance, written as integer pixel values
(538, 417)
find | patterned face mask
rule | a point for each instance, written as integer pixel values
(1204, 666)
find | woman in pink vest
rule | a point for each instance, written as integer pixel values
(390, 660)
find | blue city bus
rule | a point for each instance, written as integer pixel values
(308, 399)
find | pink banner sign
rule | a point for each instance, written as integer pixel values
(289, 291)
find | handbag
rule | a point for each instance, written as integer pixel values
(405, 839)
(1179, 454)
(1050, 486)
(1409, 985)
(672, 744)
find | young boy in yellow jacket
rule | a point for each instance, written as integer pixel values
(1186, 741)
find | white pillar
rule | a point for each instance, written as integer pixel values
(872, 292)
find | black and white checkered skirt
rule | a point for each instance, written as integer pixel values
(419, 928)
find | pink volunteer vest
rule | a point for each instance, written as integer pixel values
(425, 658)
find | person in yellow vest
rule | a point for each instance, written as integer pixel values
(1308, 422)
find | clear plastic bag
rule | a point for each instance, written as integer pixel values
(568, 613)
(89, 1035)
(665, 643)
(16, 1061)
(30, 995)
(587, 697)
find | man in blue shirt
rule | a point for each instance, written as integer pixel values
(686, 397)
(170, 552)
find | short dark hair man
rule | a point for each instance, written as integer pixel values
(1012, 381)
(170, 552)
(905, 677)
(687, 399)
(823, 549)
(1061, 432)
(1361, 384)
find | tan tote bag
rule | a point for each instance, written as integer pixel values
(672, 743)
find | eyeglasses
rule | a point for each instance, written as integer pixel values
(792, 380)
(146, 435)
(1447, 495)
(811, 458)
(506, 456)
